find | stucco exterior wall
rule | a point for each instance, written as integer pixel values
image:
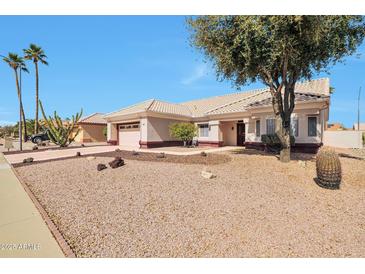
(301, 115)
(215, 133)
(112, 132)
(229, 131)
(93, 133)
(343, 138)
(79, 136)
(157, 129)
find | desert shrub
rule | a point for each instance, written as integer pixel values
(183, 131)
(273, 140)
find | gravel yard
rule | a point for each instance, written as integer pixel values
(256, 207)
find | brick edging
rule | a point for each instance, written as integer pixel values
(67, 251)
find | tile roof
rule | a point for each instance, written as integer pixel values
(153, 106)
(95, 118)
(233, 102)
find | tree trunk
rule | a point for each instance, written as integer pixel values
(21, 107)
(282, 128)
(36, 99)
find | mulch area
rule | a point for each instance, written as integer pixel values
(210, 159)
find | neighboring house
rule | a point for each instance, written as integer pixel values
(362, 126)
(335, 126)
(235, 119)
(91, 129)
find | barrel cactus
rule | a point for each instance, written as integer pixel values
(328, 169)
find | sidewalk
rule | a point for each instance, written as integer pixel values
(23, 232)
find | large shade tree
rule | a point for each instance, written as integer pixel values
(278, 51)
(16, 63)
(36, 54)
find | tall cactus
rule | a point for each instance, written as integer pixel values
(59, 133)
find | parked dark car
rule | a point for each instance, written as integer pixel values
(39, 138)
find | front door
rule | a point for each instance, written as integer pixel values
(240, 134)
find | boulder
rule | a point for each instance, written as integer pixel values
(161, 155)
(100, 167)
(28, 160)
(90, 158)
(82, 145)
(117, 162)
(208, 175)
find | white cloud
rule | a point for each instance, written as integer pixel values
(199, 72)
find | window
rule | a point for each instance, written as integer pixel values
(258, 128)
(270, 126)
(312, 126)
(294, 126)
(203, 130)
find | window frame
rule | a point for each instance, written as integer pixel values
(267, 126)
(316, 122)
(203, 128)
(258, 127)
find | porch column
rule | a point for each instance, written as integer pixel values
(215, 133)
(112, 133)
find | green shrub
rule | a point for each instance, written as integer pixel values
(183, 131)
(273, 140)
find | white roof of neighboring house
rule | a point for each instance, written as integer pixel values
(95, 118)
(234, 102)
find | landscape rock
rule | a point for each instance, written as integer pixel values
(90, 158)
(101, 167)
(204, 154)
(35, 148)
(117, 162)
(135, 153)
(28, 160)
(117, 150)
(82, 145)
(161, 155)
(78, 153)
(208, 174)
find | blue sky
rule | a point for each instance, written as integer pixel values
(103, 63)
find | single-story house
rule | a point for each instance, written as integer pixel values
(92, 129)
(236, 119)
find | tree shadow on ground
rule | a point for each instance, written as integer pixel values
(345, 155)
(294, 155)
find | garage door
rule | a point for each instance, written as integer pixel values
(129, 135)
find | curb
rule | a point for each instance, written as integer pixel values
(67, 251)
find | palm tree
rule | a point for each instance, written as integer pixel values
(36, 54)
(16, 62)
